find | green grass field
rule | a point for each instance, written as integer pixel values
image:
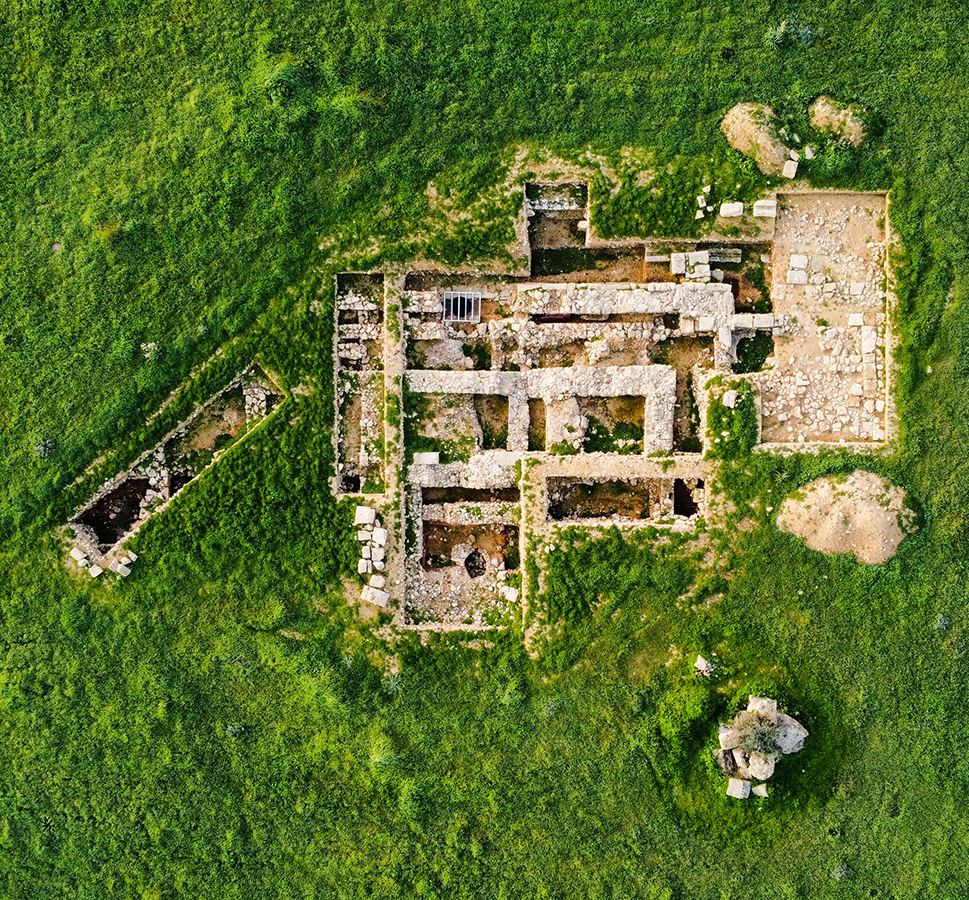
(163, 738)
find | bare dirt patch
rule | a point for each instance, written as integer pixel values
(751, 128)
(845, 121)
(862, 514)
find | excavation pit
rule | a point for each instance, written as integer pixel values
(640, 499)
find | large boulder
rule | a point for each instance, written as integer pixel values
(845, 121)
(752, 129)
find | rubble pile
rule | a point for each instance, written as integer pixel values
(373, 542)
(752, 743)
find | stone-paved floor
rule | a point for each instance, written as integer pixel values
(828, 378)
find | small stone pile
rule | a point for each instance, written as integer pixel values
(373, 541)
(120, 566)
(753, 742)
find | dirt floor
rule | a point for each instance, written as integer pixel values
(862, 514)
(590, 265)
(683, 354)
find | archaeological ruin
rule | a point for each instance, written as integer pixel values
(482, 414)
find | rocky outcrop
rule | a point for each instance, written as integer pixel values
(753, 742)
(752, 129)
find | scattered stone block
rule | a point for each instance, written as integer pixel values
(377, 581)
(738, 788)
(729, 737)
(797, 276)
(857, 288)
(703, 666)
(95, 571)
(732, 210)
(856, 390)
(701, 200)
(510, 594)
(730, 399)
(799, 261)
(380, 536)
(365, 551)
(430, 458)
(677, 267)
(790, 169)
(364, 567)
(377, 554)
(699, 214)
(123, 571)
(764, 705)
(363, 536)
(375, 596)
(78, 555)
(364, 515)
(760, 790)
(132, 556)
(856, 319)
(766, 209)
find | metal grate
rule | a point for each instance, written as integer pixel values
(462, 306)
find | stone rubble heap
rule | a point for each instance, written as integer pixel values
(372, 562)
(120, 566)
(753, 742)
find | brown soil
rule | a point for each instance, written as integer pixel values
(862, 514)
(683, 354)
(751, 129)
(494, 541)
(554, 230)
(845, 121)
(536, 424)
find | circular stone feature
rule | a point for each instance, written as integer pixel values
(861, 514)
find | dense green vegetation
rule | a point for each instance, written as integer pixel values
(220, 725)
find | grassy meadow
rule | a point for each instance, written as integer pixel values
(188, 174)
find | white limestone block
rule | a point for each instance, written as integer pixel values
(766, 209)
(364, 515)
(732, 210)
(790, 169)
(797, 276)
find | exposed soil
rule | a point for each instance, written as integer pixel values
(493, 541)
(751, 128)
(492, 412)
(555, 230)
(588, 265)
(862, 514)
(363, 284)
(536, 424)
(683, 354)
(845, 121)
(431, 496)
(116, 512)
(635, 499)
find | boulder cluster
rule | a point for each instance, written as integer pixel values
(373, 540)
(752, 743)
